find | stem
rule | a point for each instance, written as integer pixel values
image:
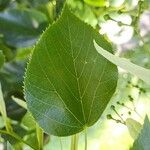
(139, 35)
(120, 22)
(85, 133)
(74, 142)
(135, 107)
(133, 110)
(61, 146)
(17, 138)
(137, 113)
(39, 133)
(119, 116)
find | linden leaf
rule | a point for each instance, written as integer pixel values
(68, 84)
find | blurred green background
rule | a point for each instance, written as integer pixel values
(125, 23)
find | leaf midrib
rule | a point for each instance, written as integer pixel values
(77, 79)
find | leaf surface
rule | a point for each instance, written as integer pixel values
(140, 72)
(143, 140)
(11, 78)
(21, 28)
(134, 127)
(68, 84)
(20, 102)
(97, 3)
(2, 105)
(2, 59)
(3, 111)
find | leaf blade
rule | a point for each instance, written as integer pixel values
(74, 77)
(2, 59)
(21, 28)
(20, 102)
(3, 111)
(142, 142)
(140, 72)
(134, 127)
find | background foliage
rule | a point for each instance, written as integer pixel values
(124, 23)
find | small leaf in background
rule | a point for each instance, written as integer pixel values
(20, 102)
(2, 104)
(18, 130)
(2, 124)
(67, 84)
(28, 121)
(3, 111)
(2, 59)
(9, 55)
(3, 4)
(124, 63)
(134, 127)
(32, 140)
(59, 6)
(143, 140)
(11, 78)
(97, 3)
(9, 146)
(40, 135)
(21, 28)
(23, 53)
(34, 3)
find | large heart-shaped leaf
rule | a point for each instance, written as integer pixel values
(68, 84)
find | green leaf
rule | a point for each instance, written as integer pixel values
(23, 53)
(3, 110)
(136, 70)
(2, 59)
(31, 139)
(33, 3)
(134, 127)
(18, 130)
(9, 146)
(59, 5)
(15, 137)
(21, 28)
(28, 121)
(98, 3)
(11, 78)
(20, 102)
(3, 4)
(2, 124)
(67, 84)
(39, 134)
(143, 140)
(8, 53)
(74, 142)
